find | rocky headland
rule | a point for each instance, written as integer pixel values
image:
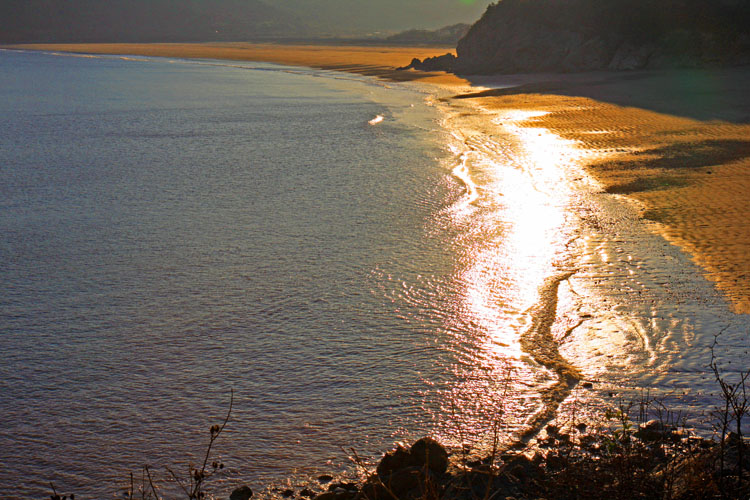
(532, 36)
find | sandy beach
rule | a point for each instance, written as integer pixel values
(375, 61)
(688, 177)
(676, 144)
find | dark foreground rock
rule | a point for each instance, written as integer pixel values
(243, 493)
(650, 461)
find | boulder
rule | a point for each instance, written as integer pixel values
(653, 430)
(406, 481)
(430, 453)
(242, 493)
(343, 486)
(393, 461)
(406, 473)
(373, 489)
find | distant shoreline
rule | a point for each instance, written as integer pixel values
(689, 177)
(370, 60)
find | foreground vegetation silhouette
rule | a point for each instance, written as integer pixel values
(643, 450)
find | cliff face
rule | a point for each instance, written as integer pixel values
(519, 36)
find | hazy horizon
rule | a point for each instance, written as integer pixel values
(210, 20)
(384, 15)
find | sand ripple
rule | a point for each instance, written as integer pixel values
(689, 177)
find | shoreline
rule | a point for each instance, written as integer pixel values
(686, 178)
(377, 61)
(641, 156)
(669, 147)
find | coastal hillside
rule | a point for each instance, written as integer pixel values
(516, 36)
(448, 35)
(24, 21)
(358, 17)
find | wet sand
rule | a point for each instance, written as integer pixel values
(677, 144)
(375, 61)
(690, 179)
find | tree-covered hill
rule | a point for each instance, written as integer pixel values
(573, 35)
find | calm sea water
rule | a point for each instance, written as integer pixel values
(173, 231)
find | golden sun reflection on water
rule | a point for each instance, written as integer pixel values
(519, 211)
(567, 303)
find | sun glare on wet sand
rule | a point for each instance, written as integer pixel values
(520, 216)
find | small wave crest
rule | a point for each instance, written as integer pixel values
(462, 172)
